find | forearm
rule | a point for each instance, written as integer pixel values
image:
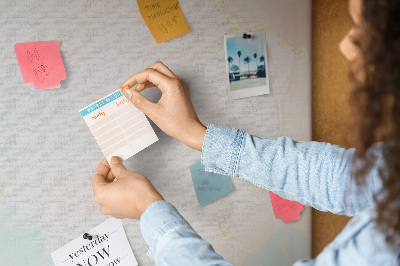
(312, 173)
(172, 241)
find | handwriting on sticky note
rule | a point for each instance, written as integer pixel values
(164, 18)
(108, 246)
(41, 63)
(287, 210)
(209, 186)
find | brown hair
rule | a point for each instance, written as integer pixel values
(376, 108)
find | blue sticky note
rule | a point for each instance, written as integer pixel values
(209, 186)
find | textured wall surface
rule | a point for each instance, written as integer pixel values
(47, 153)
(330, 92)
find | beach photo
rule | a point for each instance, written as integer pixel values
(246, 64)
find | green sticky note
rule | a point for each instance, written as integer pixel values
(209, 186)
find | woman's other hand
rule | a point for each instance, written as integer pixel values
(127, 197)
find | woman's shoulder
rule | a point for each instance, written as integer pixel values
(361, 240)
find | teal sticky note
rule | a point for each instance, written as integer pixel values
(209, 186)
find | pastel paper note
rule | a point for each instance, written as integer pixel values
(118, 126)
(209, 186)
(287, 210)
(41, 63)
(164, 18)
(108, 246)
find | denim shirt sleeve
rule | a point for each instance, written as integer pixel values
(313, 173)
(172, 241)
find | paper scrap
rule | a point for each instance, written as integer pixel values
(41, 63)
(209, 186)
(287, 210)
(118, 126)
(164, 19)
(109, 246)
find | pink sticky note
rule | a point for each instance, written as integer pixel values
(284, 209)
(41, 63)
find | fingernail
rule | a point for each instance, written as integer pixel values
(127, 93)
(115, 160)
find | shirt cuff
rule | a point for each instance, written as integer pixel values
(159, 218)
(222, 147)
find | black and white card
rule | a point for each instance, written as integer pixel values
(109, 246)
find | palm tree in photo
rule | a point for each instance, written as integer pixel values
(234, 68)
(239, 54)
(230, 59)
(247, 60)
(255, 58)
(262, 59)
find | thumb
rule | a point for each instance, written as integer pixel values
(99, 176)
(117, 167)
(138, 100)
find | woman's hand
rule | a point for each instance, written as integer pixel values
(127, 197)
(174, 112)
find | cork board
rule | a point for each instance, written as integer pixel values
(330, 93)
(47, 153)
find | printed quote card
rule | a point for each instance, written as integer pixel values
(41, 63)
(108, 246)
(118, 126)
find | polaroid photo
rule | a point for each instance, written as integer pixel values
(246, 64)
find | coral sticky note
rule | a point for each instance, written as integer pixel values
(209, 186)
(164, 18)
(287, 210)
(41, 63)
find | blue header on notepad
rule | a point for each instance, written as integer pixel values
(100, 103)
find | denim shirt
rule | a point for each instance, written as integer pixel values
(312, 173)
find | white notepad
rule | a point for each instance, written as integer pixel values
(118, 126)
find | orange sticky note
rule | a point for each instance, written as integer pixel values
(164, 18)
(287, 210)
(41, 63)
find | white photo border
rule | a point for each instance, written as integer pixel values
(247, 92)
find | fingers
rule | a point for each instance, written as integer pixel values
(110, 177)
(100, 174)
(157, 75)
(104, 210)
(159, 80)
(160, 67)
(142, 86)
(140, 102)
(117, 167)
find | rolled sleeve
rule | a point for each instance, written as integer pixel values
(221, 149)
(316, 174)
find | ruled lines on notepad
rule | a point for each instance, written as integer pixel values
(119, 129)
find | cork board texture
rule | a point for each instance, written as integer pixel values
(330, 94)
(48, 154)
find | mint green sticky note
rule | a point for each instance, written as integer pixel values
(209, 186)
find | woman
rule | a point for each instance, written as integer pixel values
(317, 174)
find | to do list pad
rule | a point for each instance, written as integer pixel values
(118, 126)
